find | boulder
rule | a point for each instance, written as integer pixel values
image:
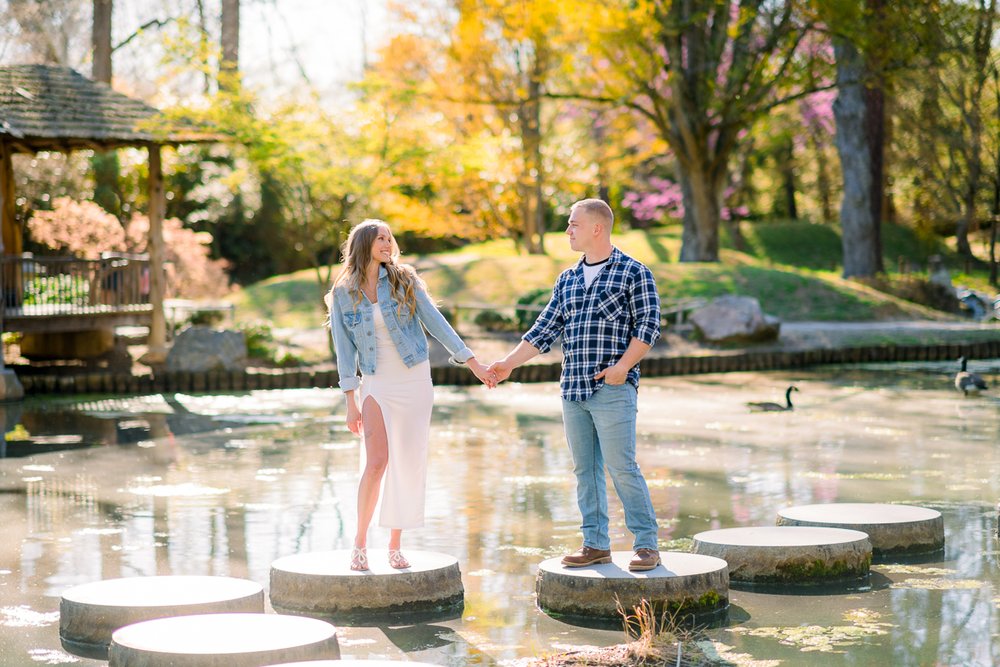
(735, 319)
(205, 349)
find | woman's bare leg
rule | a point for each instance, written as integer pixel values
(376, 459)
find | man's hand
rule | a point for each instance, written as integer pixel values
(613, 375)
(500, 369)
(482, 372)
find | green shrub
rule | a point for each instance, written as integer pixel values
(260, 340)
(206, 318)
(491, 320)
(526, 316)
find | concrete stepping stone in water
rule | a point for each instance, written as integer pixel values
(322, 583)
(355, 663)
(223, 640)
(788, 554)
(90, 613)
(894, 530)
(683, 583)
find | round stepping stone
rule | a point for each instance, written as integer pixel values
(788, 554)
(322, 583)
(893, 529)
(90, 613)
(355, 663)
(688, 584)
(223, 640)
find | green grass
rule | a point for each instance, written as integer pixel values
(792, 267)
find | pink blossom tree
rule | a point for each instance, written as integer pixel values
(84, 229)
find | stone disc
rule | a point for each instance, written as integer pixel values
(893, 529)
(322, 583)
(223, 640)
(788, 554)
(90, 613)
(354, 663)
(689, 584)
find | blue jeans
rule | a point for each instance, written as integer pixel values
(601, 430)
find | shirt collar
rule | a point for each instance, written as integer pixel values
(613, 258)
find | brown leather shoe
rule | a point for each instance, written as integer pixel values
(586, 556)
(644, 559)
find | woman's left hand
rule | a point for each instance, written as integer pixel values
(482, 372)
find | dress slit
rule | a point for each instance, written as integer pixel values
(405, 397)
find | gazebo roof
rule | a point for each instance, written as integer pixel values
(43, 107)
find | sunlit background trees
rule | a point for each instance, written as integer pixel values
(466, 120)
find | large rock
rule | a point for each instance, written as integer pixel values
(205, 349)
(735, 319)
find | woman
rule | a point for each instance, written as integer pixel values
(378, 311)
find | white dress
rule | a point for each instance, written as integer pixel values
(406, 397)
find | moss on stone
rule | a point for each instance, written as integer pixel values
(818, 570)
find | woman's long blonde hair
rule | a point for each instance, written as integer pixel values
(357, 254)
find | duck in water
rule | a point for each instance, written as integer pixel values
(968, 382)
(767, 406)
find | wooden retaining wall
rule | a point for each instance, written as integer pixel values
(295, 378)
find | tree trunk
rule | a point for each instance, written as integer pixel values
(788, 178)
(993, 253)
(107, 193)
(875, 131)
(874, 121)
(203, 40)
(533, 210)
(230, 42)
(823, 188)
(101, 41)
(702, 194)
(968, 215)
(859, 234)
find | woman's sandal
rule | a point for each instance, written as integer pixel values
(397, 560)
(359, 559)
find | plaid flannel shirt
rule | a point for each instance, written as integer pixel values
(597, 324)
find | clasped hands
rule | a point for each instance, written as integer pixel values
(499, 371)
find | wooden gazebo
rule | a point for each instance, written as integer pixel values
(46, 108)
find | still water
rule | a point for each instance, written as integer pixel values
(225, 484)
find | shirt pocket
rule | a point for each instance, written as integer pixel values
(611, 305)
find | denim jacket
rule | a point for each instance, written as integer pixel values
(353, 329)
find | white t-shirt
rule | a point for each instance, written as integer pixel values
(590, 272)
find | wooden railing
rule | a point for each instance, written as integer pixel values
(35, 286)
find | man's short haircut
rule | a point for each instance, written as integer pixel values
(596, 207)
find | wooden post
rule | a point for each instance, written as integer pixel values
(10, 387)
(157, 352)
(12, 243)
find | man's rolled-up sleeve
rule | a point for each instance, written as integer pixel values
(645, 307)
(549, 324)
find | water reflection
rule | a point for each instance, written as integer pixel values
(223, 485)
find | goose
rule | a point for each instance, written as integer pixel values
(968, 382)
(767, 406)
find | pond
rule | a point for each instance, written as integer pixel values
(225, 484)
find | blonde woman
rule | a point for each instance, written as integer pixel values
(379, 309)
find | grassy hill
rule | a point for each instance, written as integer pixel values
(792, 267)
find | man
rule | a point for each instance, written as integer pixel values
(608, 312)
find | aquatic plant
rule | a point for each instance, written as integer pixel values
(863, 623)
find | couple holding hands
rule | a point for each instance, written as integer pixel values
(605, 307)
